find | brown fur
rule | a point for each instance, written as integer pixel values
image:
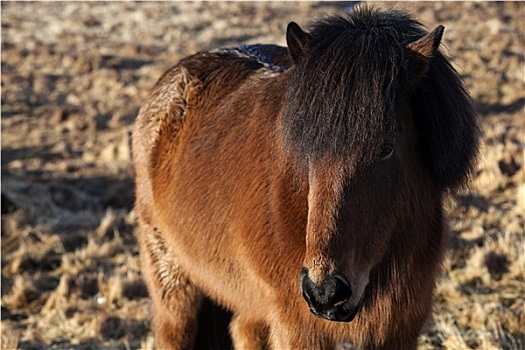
(224, 212)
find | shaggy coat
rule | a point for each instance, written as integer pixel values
(267, 176)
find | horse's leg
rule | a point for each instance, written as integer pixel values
(248, 334)
(279, 340)
(282, 336)
(283, 340)
(294, 334)
(176, 300)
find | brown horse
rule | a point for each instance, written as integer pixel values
(302, 188)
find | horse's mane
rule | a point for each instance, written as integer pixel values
(344, 96)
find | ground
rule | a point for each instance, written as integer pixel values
(73, 78)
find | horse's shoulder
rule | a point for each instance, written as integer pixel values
(223, 68)
(198, 80)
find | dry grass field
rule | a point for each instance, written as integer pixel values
(73, 78)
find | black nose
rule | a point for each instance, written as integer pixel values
(327, 296)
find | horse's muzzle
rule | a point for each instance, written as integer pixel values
(327, 299)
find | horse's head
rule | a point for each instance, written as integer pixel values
(348, 125)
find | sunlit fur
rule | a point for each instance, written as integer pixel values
(252, 168)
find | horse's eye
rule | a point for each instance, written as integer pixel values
(387, 150)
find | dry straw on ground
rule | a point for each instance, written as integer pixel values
(73, 78)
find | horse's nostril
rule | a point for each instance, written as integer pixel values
(334, 291)
(343, 292)
(306, 296)
(308, 288)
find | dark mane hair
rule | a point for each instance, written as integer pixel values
(447, 125)
(345, 95)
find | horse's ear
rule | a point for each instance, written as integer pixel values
(297, 41)
(423, 50)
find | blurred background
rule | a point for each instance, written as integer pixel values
(73, 78)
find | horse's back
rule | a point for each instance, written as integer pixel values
(197, 86)
(203, 151)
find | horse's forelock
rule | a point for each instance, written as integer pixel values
(344, 97)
